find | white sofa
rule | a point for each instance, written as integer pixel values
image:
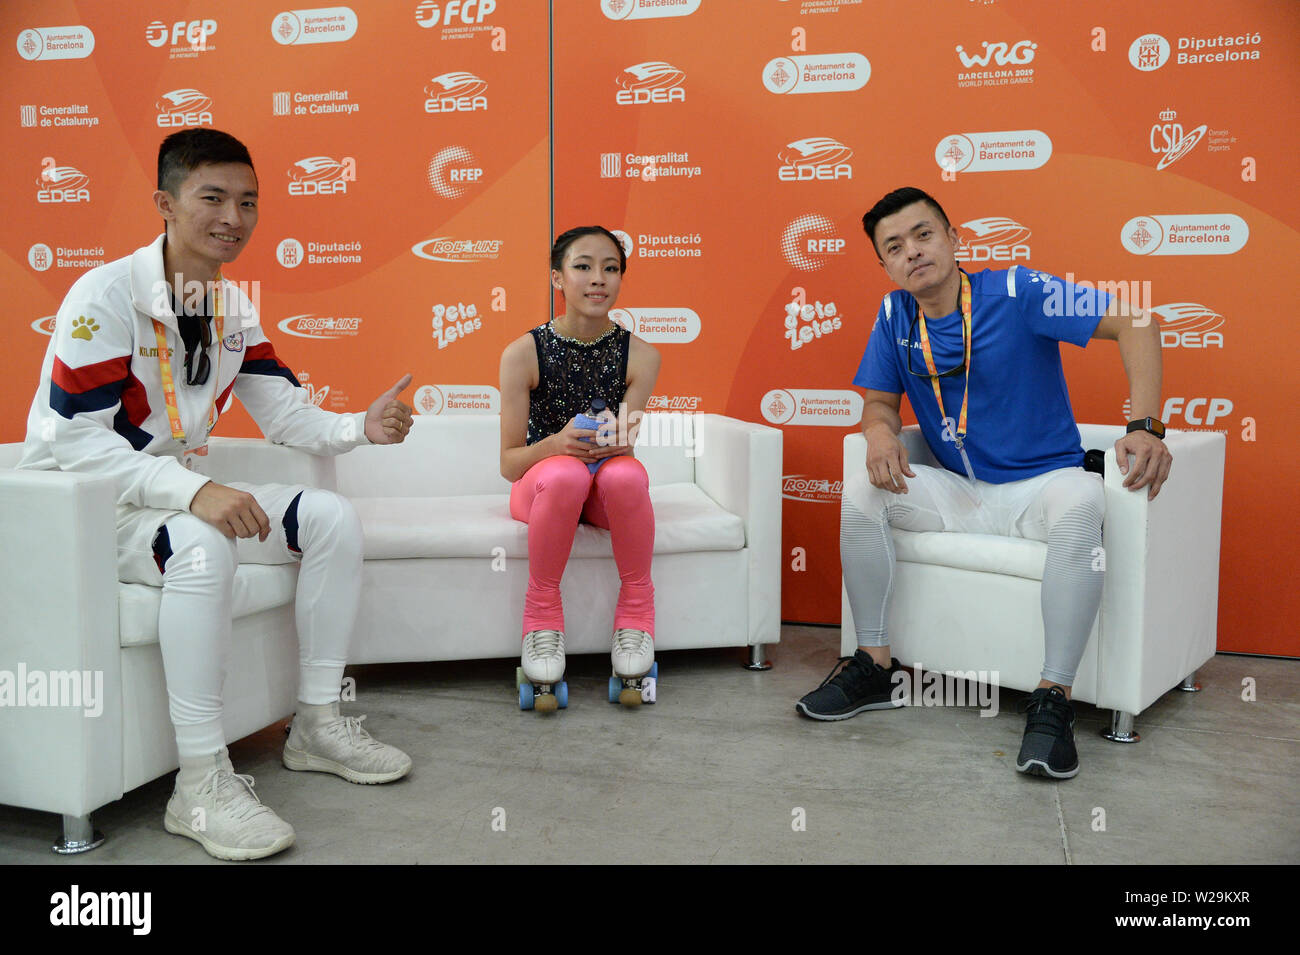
(970, 602)
(444, 577)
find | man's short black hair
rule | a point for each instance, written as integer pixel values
(181, 153)
(897, 200)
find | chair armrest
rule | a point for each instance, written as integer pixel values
(1159, 614)
(738, 465)
(58, 588)
(855, 450)
(256, 461)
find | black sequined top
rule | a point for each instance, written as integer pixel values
(570, 373)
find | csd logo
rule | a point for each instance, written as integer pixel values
(650, 82)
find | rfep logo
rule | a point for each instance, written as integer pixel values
(993, 239)
(321, 176)
(184, 107)
(1168, 140)
(651, 82)
(320, 326)
(452, 171)
(1216, 234)
(455, 93)
(818, 158)
(806, 242)
(647, 9)
(812, 406)
(61, 183)
(319, 25)
(56, 43)
(658, 324)
(444, 248)
(429, 14)
(1149, 52)
(1189, 325)
(986, 152)
(822, 73)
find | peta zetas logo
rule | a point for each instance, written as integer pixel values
(651, 82)
(321, 176)
(184, 108)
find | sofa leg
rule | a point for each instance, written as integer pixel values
(79, 835)
(1121, 728)
(1189, 683)
(757, 659)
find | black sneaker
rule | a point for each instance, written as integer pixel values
(863, 684)
(1048, 746)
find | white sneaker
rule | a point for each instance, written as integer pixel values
(543, 656)
(633, 653)
(224, 815)
(340, 746)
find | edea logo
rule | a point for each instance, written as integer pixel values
(184, 108)
(806, 242)
(321, 176)
(321, 25)
(820, 73)
(429, 14)
(444, 248)
(647, 9)
(1189, 325)
(320, 326)
(56, 43)
(818, 158)
(61, 183)
(1149, 52)
(187, 37)
(1169, 142)
(651, 82)
(455, 93)
(452, 171)
(992, 239)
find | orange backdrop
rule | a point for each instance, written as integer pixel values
(405, 150)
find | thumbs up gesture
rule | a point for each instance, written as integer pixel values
(387, 419)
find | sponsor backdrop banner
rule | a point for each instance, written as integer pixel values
(403, 156)
(737, 145)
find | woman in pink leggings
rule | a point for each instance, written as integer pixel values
(563, 473)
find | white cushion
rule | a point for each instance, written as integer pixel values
(257, 587)
(989, 553)
(686, 520)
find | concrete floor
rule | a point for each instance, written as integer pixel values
(720, 768)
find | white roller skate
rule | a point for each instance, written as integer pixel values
(635, 672)
(540, 676)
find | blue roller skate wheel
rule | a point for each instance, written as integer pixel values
(654, 670)
(525, 696)
(562, 694)
(615, 688)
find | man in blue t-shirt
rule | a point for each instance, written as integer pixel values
(979, 359)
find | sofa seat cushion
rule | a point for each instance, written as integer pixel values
(1014, 556)
(258, 587)
(686, 521)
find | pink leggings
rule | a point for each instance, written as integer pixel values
(551, 498)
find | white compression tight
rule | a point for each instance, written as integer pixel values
(194, 620)
(1063, 508)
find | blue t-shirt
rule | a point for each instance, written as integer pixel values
(1018, 421)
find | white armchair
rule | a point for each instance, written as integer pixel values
(970, 602)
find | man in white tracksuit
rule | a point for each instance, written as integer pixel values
(145, 355)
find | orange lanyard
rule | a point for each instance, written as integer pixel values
(165, 368)
(929, 359)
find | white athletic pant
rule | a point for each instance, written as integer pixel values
(1063, 508)
(318, 528)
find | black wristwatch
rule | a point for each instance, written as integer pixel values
(1150, 425)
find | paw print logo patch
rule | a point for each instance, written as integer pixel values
(1039, 277)
(84, 328)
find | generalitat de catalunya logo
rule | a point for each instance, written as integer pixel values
(321, 176)
(458, 92)
(993, 239)
(184, 107)
(809, 240)
(815, 159)
(651, 82)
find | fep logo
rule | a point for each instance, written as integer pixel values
(61, 183)
(321, 176)
(455, 93)
(319, 25)
(1018, 55)
(320, 326)
(1217, 234)
(651, 82)
(986, 152)
(822, 73)
(444, 248)
(806, 242)
(452, 170)
(1189, 325)
(429, 14)
(818, 158)
(1149, 52)
(647, 9)
(188, 37)
(809, 406)
(1168, 140)
(56, 43)
(184, 107)
(993, 239)
(456, 399)
(658, 324)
